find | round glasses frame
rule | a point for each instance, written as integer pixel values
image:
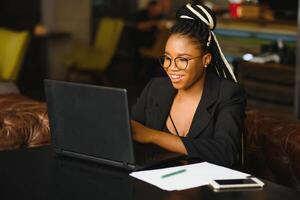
(181, 63)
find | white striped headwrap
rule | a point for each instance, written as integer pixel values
(210, 24)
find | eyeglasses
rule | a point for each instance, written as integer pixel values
(181, 63)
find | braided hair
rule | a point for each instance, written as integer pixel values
(198, 22)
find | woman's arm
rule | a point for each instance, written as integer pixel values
(167, 141)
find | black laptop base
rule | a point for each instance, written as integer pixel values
(143, 161)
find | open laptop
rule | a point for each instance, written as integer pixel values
(92, 122)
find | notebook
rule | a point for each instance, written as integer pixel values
(92, 122)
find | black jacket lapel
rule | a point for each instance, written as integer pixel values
(163, 104)
(206, 105)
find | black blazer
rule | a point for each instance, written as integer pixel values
(217, 126)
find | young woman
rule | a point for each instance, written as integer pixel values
(199, 109)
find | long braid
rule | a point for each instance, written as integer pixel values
(198, 22)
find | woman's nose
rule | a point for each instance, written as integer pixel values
(173, 66)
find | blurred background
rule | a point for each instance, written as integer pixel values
(117, 42)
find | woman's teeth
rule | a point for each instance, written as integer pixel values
(176, 77)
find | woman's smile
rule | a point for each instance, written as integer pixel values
(175, 78)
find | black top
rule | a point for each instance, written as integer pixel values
(217, 126)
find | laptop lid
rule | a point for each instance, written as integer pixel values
(90, 121)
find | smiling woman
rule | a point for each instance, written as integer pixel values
(199, 109)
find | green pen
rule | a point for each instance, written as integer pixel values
(173, 173)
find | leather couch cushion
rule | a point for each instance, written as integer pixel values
(272, 147)
(23, 122)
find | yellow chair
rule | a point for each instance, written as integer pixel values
(13, 45)
(96, 59)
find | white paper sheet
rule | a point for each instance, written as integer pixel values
(196, 175)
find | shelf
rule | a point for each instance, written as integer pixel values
(238, 37)
(268, 30)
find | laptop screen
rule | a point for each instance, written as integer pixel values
(89, 120)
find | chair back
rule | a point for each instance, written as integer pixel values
(108, 34)
(12, 50)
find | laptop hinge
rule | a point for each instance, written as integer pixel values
(128, 165)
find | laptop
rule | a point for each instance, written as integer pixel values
(92, 123)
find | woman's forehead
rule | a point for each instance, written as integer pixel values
(183, 43)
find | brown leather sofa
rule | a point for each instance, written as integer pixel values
(23, 122)
(272, 147)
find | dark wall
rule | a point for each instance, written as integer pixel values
(19, 14)
(283, 9)
(118, 8)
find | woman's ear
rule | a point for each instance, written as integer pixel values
(206, 59)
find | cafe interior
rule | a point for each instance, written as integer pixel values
(99, 42)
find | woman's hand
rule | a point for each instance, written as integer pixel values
(141, 133)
